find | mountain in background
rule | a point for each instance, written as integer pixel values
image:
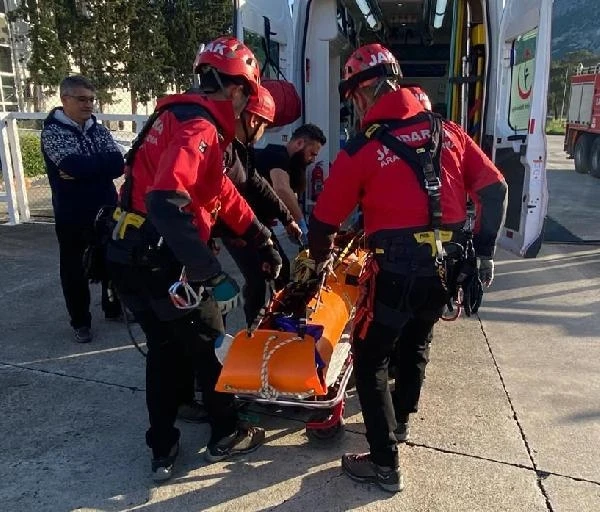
(575, 26)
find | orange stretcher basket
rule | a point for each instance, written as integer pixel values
(272, 363)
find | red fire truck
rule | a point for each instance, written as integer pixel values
(582, 137)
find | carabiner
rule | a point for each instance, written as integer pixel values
(459, 306)
(182, 295)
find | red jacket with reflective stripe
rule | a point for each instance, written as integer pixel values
(387, 188)
(183, 152)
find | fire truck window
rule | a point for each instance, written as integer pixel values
(522, 71)
(256, 43)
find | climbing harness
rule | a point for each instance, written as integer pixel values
(453, 260)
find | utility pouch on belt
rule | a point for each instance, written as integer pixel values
(94, 257)
(407, 253)
(133, 240)
(124, 220)
(462, 278)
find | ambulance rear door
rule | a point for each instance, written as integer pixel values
(522, 62)
(265, 26)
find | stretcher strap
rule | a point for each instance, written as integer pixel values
(366, 301)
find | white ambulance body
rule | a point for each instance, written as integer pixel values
(483, 63)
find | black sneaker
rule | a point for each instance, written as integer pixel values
(359, 467)
(192, 412)
(243, 440)
(83, 335)
(402, 432)
(162, 467)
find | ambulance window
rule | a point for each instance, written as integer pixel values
(522, 71)
(256, 43)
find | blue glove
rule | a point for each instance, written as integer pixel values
(225, 291)
(303, 227)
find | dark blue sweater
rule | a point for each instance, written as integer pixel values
(81, 165)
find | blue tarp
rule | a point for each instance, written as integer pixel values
(293, 325)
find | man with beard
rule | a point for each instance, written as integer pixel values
(284, 167)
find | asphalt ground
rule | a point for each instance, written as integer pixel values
(509, 419)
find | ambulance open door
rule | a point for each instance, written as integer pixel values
(265, 26)
(519, 140)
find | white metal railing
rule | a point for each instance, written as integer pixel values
(589, 70)
(15, 189)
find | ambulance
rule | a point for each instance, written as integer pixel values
(483, 63)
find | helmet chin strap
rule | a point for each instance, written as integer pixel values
(392, 84)
(218, 80)
(224, 91)
(249, 135)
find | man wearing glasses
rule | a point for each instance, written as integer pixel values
(82, 160)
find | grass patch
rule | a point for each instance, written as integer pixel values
(555, 127)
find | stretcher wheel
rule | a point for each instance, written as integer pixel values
(326, 434)
(334, 429)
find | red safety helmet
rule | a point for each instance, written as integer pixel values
(229, 56)
(262, 104)
(420, 95)
(365, 66)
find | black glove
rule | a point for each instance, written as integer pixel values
(270, 261)
(257, 234)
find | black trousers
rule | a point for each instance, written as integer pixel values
(72, 242)
(285, 273)
(255, 287)
(180, 346)
(418, 303)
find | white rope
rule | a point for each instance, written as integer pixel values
(266, 390)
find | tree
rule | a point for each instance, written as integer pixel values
(149, 65)
(48, 63)
(97, 36)
(190, 23)
(135, 44)
(91, 34)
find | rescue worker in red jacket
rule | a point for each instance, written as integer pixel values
(174, 192)
(420, 95)
(403, 295)
(255, 188)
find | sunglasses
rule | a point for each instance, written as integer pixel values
(83, 99)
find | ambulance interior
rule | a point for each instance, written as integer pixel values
(440, 45)
(483, 63)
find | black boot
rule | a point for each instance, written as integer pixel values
(359, 467)
(402, 430)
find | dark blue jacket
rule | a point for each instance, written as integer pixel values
(81, 165)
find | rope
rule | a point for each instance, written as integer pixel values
(130, 332)
(266, 390)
